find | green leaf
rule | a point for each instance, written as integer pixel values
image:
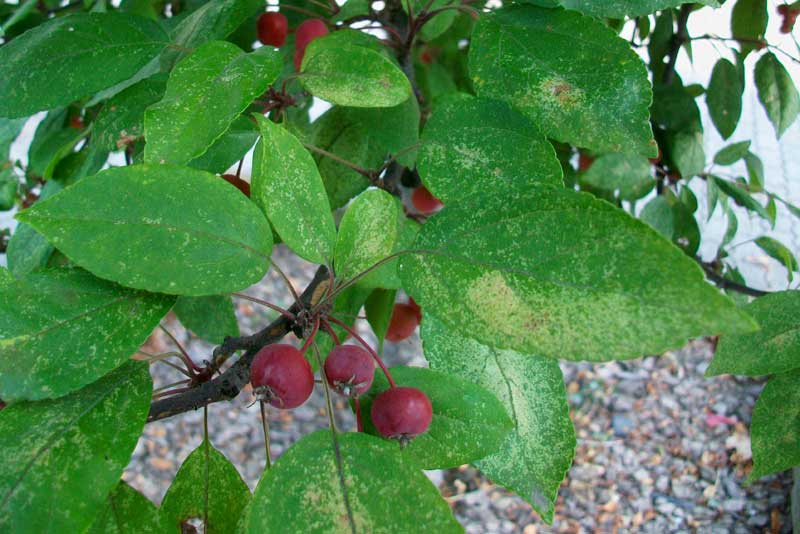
(61, 458)
(732, 153)
(749, 23)
(350, 75)
(755, 172)
(9, 130)
(658, 214)
(170, 229)
(364, 137)
(778, 251)
(28, 250)
(234, 144)
(675, 112)
(473, 144)
(368, 233)
(571, 74)
(64, 329)
(724, 97)
(740, 196)
(287, 186)
(70, 57)
(52, 140)
(121, 120)
(469, 423)
(379, 307)
(437, 25)
(205, 93)
(226, 493)
(9, 185)
(349, 488)
(538, 451)
(776, 92)
(127, 512)
(212, 318)
(773, 349)
(518, 270)
(618, 9)
(775, 428)
(216, 19)
(628, 174)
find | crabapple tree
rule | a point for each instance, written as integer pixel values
(517, 183)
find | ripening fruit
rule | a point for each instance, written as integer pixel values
(349, 370)
(584, 161)
(424, 201)
(240, 184)
(417, 309)
(281, 376)
(404, 321)
(272, 29)
(307, 31)
(401, 413)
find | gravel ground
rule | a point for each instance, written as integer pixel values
(660, 448)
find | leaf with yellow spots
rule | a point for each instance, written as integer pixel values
(536, 454)
(62, 457)
(226, 493)
(127, 512)
(63, 329)
(575, 77)
(559, 273)
(363, 485)
(775, 429)
(773, 349)
(168, 229)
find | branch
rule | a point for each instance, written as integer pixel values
(724, 283)
(228, 385)
(680, 37)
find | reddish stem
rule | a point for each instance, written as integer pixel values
(311, 336)
(359, 424)
(327, 327)
(374, 354)
(286, 313)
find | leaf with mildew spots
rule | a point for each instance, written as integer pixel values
(373, 488)
(226, 492)
(575, 77)
(537, 453)
(373, 227)
(205, 93)
(775, 428)
(618, 9)
(288, 187)
(168, 229)
(68, 58)
(468, 424)
(63, 329)
(121, 120)
(773, 349)
(61, 458)
(475, 144)
(559, 273)
(127, 512)
(364, 137)
(351, 75)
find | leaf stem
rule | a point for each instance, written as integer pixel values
(207, 447)
(265, 428)
(311, 336)
(286, 313)
(286, 280)
(364, 172)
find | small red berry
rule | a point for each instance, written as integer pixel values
(426, 57)
(401, 413)
(424, 201)
(403, 322)
(240, 184)
(349, 370)
(281, 376)
(417, 309)
(76, 122)
(307, 31)
(272, 29)
(584, 161)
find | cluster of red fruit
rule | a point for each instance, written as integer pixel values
(789, 14)
(273, 28)
(281, 376)
(424, 202)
